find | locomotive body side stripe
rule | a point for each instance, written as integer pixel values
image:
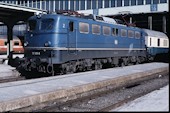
(63, 48)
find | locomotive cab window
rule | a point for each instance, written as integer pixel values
(71, 26)
(31, 25)
(47, 24)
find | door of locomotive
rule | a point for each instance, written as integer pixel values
(72, 36)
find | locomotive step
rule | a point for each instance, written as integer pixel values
(20, 94)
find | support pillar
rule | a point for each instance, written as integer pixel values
(164, 24)
(10, 43)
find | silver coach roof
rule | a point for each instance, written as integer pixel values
(155, 33)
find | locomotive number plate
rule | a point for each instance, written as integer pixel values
(36, 53)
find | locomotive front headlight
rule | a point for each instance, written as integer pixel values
(26, 44)
(47, 44)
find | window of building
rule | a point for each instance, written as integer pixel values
(61, 5)
(47, 5)
(119, 3)
(137, 34)
(100, 3)
(83, 27)
(77, 4)
(112, 3)
(82, 2)
(123, 32)
(150, 41)
(66, 4)
(95, 29)
(126, 2)
(163, 1)
(72, 5)
(51, 5)
(130, 33)
(38, 5)
(140, 2)
(106, 3)
(114, 31)
(148, 1)
(88, 4)
(158, 42)
(133, 2)
(34, 4)
(106, 30)
(56, 5)
(93, 4)
(43, 5)
(155, 1)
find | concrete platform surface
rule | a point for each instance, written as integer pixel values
(20, 94)
(6, 71)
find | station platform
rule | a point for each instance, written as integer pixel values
(14, 95)
(6, 71)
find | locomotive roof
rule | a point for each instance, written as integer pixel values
(155, 33)
(88, 17)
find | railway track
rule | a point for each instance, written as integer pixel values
(104, 100)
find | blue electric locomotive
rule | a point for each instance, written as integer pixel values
(70, 42)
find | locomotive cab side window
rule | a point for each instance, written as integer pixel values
(71, 26)
(31, 25)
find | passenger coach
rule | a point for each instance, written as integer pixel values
(157, 43)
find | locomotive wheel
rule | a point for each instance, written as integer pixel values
(98, 65)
